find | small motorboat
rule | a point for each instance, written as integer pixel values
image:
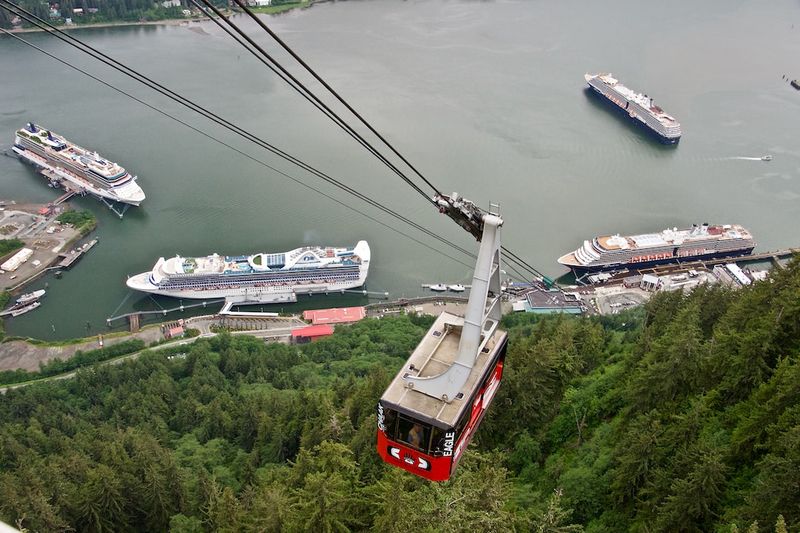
(23, 310)
(30, 297)
(766, 157)
(439, 287)
(456, 288)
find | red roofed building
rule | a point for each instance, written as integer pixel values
(175, 331)
(311, 333)
(337, 315)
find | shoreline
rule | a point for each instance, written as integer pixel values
(165, 22)
(183, 21)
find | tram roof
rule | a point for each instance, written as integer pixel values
(432, 356)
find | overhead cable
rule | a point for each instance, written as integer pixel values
(331, 90)
(296, 85)
(186, 102)
(223, 143)
(511, 256)
(271, 63)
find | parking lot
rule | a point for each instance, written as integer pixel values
(40, 233)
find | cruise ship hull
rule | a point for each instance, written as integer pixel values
(249, 294)
(594, 92)
(616, 267)
(638, 107)
(260, 278)
(129, 193)
(75, 168)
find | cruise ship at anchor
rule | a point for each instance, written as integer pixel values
(639, 107)
(82, 169)
(258, 278)
(613, 252)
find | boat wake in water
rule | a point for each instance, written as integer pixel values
(743, 158)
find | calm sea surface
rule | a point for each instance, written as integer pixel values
(486, 98)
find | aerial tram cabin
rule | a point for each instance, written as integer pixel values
(427, 435)
(433, 407)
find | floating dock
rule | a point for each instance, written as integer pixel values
(70, 258)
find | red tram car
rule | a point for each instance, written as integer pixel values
(426, 435)
(432, 408)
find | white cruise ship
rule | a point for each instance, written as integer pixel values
(258, 278)
(82, 169)
(639, 107)
(615, 252)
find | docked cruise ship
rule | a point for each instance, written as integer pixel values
(639, 107)
(613, 252)
(258, 278)
(83, 170)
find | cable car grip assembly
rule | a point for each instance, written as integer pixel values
(483, 312)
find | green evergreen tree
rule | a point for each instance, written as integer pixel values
(554, 518)
(103, 503)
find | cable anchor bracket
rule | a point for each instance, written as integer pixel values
(464, 212)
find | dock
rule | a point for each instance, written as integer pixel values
(64, 197)
(775, 257)
(70, 190)
(70, 258)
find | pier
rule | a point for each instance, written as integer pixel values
(163, 312)
(71, 190)
(775, 257)
(68, 259)
(64, 197)
(228, 304)
(133, 321)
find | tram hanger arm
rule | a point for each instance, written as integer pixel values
(483, 310)
(464, 212)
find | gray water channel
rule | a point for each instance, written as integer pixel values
(486, 98)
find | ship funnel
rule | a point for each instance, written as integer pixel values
(50, 136)
(32, 127)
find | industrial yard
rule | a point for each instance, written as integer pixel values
(43, 235)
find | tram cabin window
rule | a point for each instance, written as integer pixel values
(414, 433)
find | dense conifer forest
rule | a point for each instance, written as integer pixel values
(97, 11)
(681, 416)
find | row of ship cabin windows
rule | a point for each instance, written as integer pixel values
(269, 276)
(250, 281)
(75, 168)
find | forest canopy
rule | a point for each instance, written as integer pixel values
(57, 12)
(680, 416)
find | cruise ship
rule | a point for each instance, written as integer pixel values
(639, 107)
(258, 278)
(83, 170)
(613, 252)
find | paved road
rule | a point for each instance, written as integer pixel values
(280, 332)
(31, 228)
(23, 355)
(118, 360)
